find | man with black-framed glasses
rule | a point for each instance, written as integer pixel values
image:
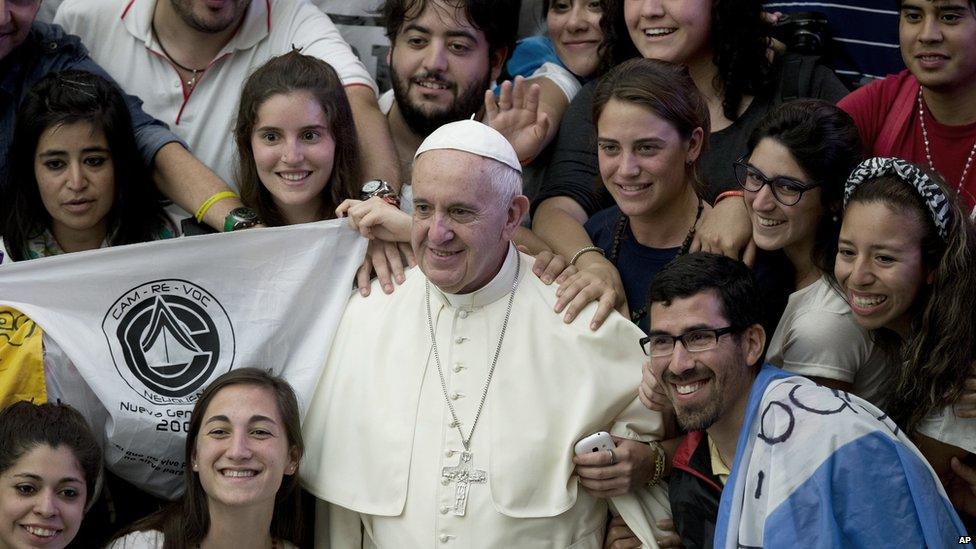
(772, 459)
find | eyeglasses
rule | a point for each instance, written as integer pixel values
(695, 341)
(786, 190)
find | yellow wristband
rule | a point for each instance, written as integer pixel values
(215, 198)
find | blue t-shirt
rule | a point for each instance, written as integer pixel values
(49, 49)
(638, 264)
(530, 54)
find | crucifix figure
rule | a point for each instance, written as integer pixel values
(463, 475)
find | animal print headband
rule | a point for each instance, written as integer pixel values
(936, 200)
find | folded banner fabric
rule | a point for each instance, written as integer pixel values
(21, 359)
(133, 334)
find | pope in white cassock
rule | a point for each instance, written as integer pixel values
(447, 412)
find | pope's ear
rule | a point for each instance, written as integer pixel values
(517, 210)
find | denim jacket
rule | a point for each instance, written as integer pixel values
(49, 49)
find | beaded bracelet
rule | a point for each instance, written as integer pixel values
(582, 251)
(658, 464)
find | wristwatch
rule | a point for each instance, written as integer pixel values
(382, 189)
(240, 218)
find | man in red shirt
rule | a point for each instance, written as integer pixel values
(927, 113)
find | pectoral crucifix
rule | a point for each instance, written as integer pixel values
(463, 474)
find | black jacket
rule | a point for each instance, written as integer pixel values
(694, 492)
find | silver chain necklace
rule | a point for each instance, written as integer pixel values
(463, 474)
(928, 155)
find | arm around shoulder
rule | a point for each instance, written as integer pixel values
(574, 169)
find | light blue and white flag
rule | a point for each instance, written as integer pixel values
(817, 467)
(133, 334)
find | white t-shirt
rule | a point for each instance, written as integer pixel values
(561, 77)
(146, 539)
(119, 36)
(818, 336)
(153, 539)
(945, 427)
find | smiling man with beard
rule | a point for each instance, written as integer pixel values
(772, 459)
(443, 55)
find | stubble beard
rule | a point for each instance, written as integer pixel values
(424, 123)
(697, 416)
(184, 10)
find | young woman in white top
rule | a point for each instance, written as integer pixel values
(793, 181)
(907, 262)
(242, 450)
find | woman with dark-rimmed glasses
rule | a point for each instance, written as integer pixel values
(793, 180)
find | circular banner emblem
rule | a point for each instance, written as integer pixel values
(169, 339)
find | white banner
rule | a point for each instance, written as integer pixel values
(133, 334)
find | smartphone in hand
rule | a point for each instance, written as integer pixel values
(600, 441)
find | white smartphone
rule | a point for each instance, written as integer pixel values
(597, 442)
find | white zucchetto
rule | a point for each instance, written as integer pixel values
(472, 137)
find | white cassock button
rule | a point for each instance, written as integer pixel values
(445, 481)
(455, 396)
(444, 510)
(462, 313)
(444, 538)
(448, 453)
(460, 340)
(457, 367)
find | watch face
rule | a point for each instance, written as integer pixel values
(371, 187)
(244, 214)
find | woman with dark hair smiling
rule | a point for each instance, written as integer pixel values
(50, 469)
(241, 490)
(906, 260)
(724, 45)
(572, 51)
(652, 126)
(793, 178)
(298, 156)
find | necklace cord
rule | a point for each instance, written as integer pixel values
(152, 25)
(466, 442)
(618, 234)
